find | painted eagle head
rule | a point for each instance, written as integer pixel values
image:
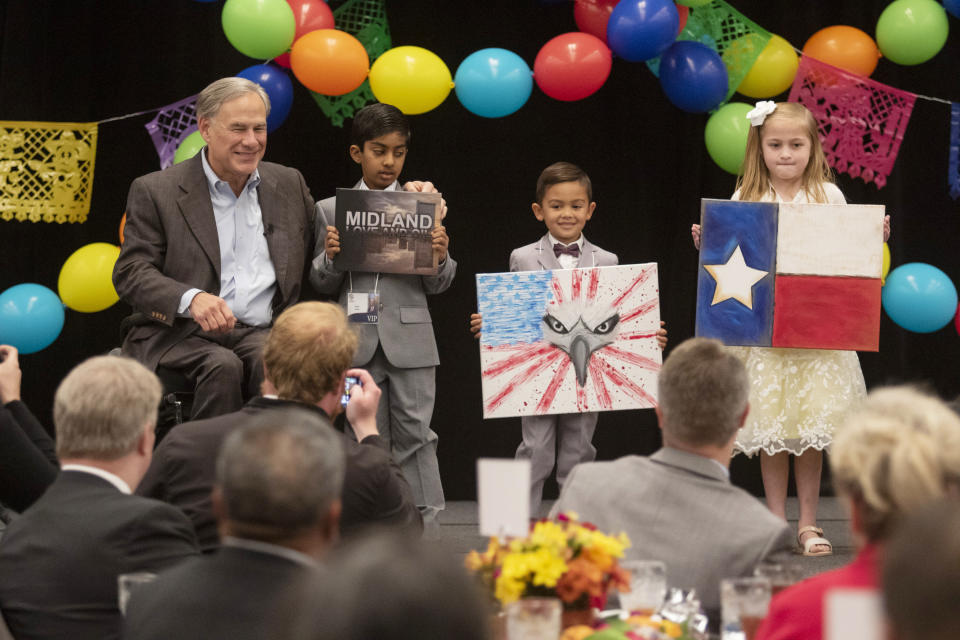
(579, 330)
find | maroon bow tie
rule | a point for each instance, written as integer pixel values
(570, 250)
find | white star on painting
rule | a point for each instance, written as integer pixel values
(734, 279)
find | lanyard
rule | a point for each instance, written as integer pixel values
(376, 282)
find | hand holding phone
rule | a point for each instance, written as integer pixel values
(348, 382)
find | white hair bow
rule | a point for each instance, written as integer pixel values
(759, 113)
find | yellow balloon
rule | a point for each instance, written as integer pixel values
(412, 79)
(773, 71)
(885, 269)
(86, 278)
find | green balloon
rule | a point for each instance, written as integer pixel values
(694, 3)
(726, 135)
(261, 29)
(912, 31)
(189, 147)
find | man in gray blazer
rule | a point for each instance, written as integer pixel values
(214, 248)
(678, 505)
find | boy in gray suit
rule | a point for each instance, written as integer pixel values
(564, 204)
(399, 350)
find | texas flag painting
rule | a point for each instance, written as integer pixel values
(790, 275)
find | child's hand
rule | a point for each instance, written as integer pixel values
(10, 374)
(332, 243)
(476, 324)
(695, 232)
(440, 243)
(886, 228)
(427, 187)
(662, 335)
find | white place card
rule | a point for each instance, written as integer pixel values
(853, 614)
(503, 494)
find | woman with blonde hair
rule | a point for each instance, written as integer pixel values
(897, 453)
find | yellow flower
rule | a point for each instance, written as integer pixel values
(546, 567)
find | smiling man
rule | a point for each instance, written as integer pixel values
(214, 248)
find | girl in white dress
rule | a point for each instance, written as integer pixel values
(797, 396)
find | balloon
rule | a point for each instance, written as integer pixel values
(31, 317)
(86, 278)
(726, 135)
(572, 66)
(592, 16)
(952, 7)
(261, 29)
(412, 79)
(956, 318)
(694, 3)
(309, 15)
(693, 76)
(329, 61)
(773, 71)
(123, 225)
(885, 268)
(912, 31)
(684, 13)
(844, 47)
(188, 147)
(642, 29)
(279, 89)
(919, 297)
(493, 82)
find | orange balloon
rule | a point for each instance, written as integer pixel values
(123, 223)
(844, 47)
(329, 61)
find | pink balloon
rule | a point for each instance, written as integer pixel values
(572, 66)
(310, 15)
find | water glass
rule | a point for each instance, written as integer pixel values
(127, 583)
(648, 586)
(534, 619)
(780, 576)
(743, 606)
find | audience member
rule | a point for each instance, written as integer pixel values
(28, 462)
(60, 560)
(277, 500)
(305, 359)
(214, 248)
(921, 573)
(678, 505)
(393, 589)
(898, 452)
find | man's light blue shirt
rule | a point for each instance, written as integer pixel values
(247, 279)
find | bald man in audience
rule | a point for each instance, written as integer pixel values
(678, 505)
(305, 358)
(277, 500)
(60, 560)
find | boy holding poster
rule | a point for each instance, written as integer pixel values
(397, 345)
(564, 204)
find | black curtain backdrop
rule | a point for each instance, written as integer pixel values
(93, 59)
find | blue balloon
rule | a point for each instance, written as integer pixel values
(639, 30)
(279, 89)
(693, 76)
(952, 7)
(31, 317)
(919, 297)
(493, 82)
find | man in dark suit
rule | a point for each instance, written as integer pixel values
(305, 358)
(678, 505)
(277, 502)
(60, 560)
(214, 248)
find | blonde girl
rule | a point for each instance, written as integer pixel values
(797, 396)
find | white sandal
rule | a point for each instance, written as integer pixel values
(813, 542)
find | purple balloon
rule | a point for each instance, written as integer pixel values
(642, 29)
(693, 76)
(279, 89)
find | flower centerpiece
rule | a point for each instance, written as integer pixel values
(564, 559)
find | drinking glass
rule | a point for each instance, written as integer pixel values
(743, 606)
(780, 576)
(534, 619)
(127, 583)
(648, 586)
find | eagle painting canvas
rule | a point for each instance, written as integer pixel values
(569, 341)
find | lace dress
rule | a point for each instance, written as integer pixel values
(798, 397)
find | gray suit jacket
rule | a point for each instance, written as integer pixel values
(539, 255)
(679, 508)
(170, 246)
(405, 330)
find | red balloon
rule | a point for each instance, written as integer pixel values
(684, 12)
(310, 15)
(956, 320)
(572, 66)
(592, 16)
